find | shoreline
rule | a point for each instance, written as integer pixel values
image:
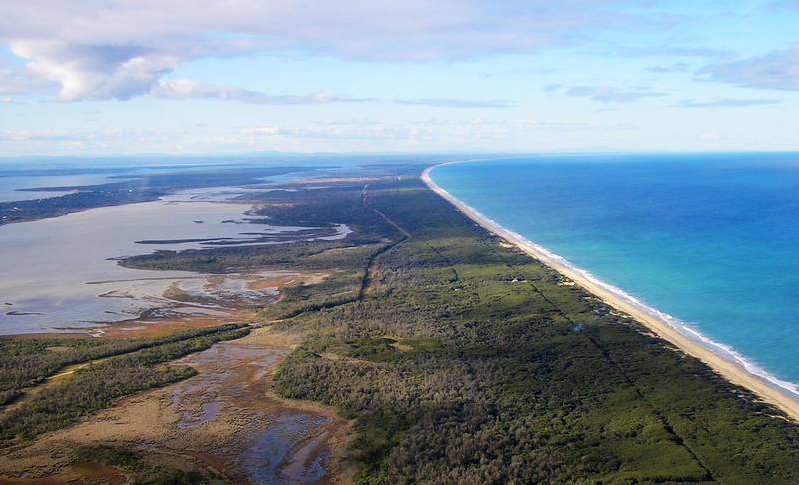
(733, 372)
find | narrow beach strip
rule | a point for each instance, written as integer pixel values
(769, 391)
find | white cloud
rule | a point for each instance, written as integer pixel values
(607, 94)
(674, 51)
(433, 131)
(260, 130)
(725, 103)
(337, 132)
(337, 135)
(458, 103)
(94, 72)
(189, 89)
(20, 81)
(119, 49)
(776, 70)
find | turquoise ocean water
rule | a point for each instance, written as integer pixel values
(711, 241)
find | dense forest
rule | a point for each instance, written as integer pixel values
(463, 360)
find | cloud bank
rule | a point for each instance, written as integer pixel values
(458, 103)
(177, 89)
(610, 94)
(776, 70)
(725, 103)
(120, 49)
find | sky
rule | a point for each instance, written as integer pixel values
(95, 78)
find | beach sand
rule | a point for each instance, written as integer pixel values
(731, 371)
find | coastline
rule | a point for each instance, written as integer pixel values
(734, 372)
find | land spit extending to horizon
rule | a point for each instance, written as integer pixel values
(732, 370)
(420, 347)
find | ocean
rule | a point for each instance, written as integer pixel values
(709, 241)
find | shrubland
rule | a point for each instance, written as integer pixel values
(462, 360)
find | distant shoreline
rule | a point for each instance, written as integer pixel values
(732, 371)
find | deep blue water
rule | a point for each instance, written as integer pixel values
(712, 240)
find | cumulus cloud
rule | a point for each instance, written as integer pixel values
(776, 70)
(20, 81)
(608, 94)
(725, 103)
(94, 72)
(119, 49)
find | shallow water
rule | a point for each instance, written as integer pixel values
(277, 444)
(10, 184)
(284, 453)
(708, 240)
(223, 369)
(53, 270)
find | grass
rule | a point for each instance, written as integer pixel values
(143, 470)
(515, 378)
(465, 361)
(98, 385)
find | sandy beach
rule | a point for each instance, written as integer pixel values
(731, 371)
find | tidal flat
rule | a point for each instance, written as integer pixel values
(225, 419)
(419, 348)
(61, 274)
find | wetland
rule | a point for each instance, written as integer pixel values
(416, 348)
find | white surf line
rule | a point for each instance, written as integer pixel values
(720, 357)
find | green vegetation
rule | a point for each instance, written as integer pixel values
(28, 362)
(467, 362)
(99, 384)
(345, 261)
(147, 469)
(31, 210)
(130, 190)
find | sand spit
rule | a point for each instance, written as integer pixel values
(202, 301)
(731, 371)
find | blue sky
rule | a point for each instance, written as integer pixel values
(86, 77)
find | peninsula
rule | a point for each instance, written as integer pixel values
(421, 347)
